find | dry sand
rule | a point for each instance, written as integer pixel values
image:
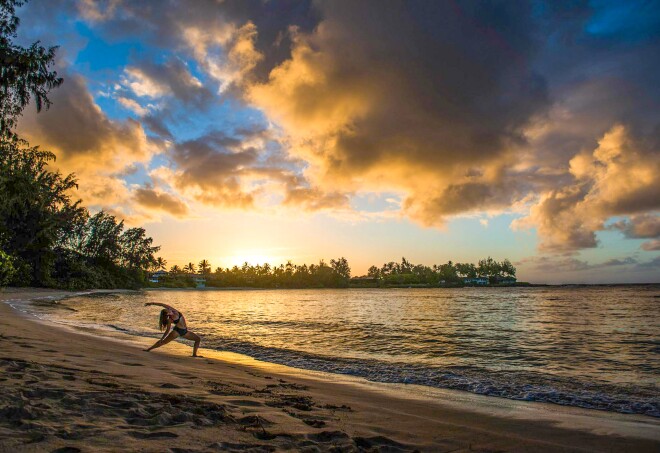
(65, 390)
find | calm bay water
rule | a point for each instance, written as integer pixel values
(595, 347)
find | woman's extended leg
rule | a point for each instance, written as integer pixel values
(171, 336)
(194, 337)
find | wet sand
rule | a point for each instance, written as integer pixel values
(66, 390)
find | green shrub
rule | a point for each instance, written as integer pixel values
(7, 269)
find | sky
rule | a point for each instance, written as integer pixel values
(259, 130)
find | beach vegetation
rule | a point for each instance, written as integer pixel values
(47, 236)
(7, 269)
(337, 274)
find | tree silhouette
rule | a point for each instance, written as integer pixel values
(204, 267)
(161, 264)
(190, 268)
(25, 72)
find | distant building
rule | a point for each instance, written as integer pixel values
(476, 281)
(158, 276)
(199, 280)
(505, 280)
(364, 280)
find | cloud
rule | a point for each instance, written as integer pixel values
(211, 173)
(160, 201)
(133, 106)
(619, 177)
(453, 107)
(172, 78)
(410, 101)
(564, 264)
(82, 136)
(236, 171)
(651, 246)
(311, 199)
(100, 151)
(619, 262)
(643, 226)
(652, 264)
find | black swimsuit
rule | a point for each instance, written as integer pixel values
(181, 331)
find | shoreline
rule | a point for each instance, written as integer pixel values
(530, 285)
(281, 407)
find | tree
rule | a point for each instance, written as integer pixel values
(161, 264)
(49, 237)
(204, 267)
(137, 250)
(103, 240)
(373, 272)
(6, 268)
(341, 268)
(36, 208)
(466, 270)
(24, 72)
(190, 268)
(507, 268)
(175, 269)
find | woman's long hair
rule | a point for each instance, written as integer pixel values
(162, 320)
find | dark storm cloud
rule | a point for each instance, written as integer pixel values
(211, 167)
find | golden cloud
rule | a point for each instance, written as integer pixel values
(619, 177)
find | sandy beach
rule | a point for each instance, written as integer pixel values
(67, 390)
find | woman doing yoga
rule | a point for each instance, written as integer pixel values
(171, 317)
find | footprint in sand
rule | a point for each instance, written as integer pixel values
(244, 403)
(379, 443)
(153, 435)
(169, 385)
(254, 421)
(230, 447)
(314, 423)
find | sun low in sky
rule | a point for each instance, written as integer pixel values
(304, 130)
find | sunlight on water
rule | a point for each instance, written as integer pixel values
(594, 347)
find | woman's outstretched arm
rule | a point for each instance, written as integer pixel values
(160, 305)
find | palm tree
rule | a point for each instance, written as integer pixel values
(204, 267)
(175, 269)
(190, 268)
(161, 263)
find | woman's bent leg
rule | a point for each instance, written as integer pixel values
(196, 339)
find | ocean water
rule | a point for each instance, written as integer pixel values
(595, 347)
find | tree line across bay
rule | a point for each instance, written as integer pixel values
(335, 274)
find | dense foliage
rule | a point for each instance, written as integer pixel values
(46, 237)
(404, 273)
(335, 275)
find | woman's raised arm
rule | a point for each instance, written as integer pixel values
(160, 305)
